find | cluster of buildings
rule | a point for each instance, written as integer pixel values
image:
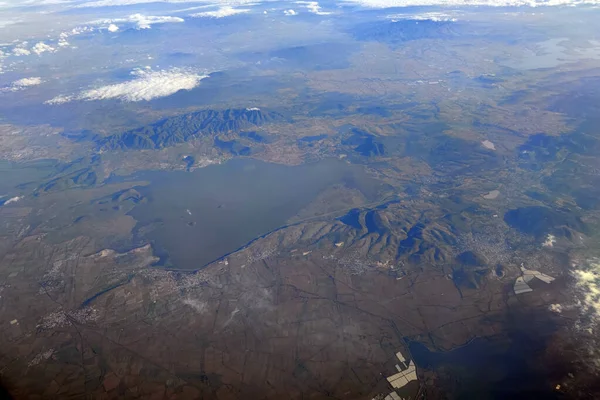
(521, 284)
(407, 372)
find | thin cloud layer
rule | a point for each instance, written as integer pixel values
(365, 3)
(458, 3)
(115, 3)
(5, 23)
(429, 16)
(221, 12)
(65, 4)
(146, 85)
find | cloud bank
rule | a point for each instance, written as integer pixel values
(115, 3)
(365, 3)
(428, 16)
(458, 3)
(221, 12)
(145, 86)
(140, 21)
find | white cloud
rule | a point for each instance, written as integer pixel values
(557, 308)
(63, 36)
(144, 22)
(61, 99)
(457, 3)
(198, 306)
(365, 3)
(25, 3)
(79, 30)
(221, 12)
(145, 86)
(587, 282)
(289, 13)
(39, 48)
(62, 41)
(26, 82)
(20, 51)
(140, 21)
(430, 16)
(42, 47)
(12, 200)
(114, 3)
(202, 7)
(313, 7)
(22, 84)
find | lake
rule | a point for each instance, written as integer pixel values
(194, 218)
(491, 368)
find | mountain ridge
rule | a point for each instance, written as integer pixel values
(179, 129)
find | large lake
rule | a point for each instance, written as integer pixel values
(194, 218)
(13, 174)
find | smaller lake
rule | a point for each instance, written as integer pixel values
(194, 218)
(489, 369)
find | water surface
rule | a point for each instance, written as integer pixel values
(16, 174)
(194, 218)
(490, 369)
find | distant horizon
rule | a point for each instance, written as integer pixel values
(358, 199)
